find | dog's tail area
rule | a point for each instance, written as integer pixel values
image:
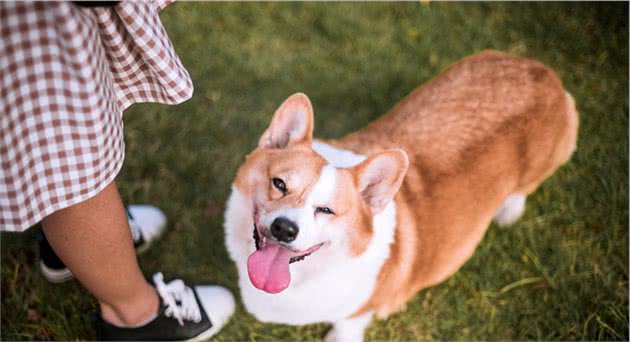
(513, 206)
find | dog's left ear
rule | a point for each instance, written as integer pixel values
(291, 124)
(380, 176)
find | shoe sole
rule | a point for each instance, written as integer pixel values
(58, 277)
(55, 276)
(207, 334)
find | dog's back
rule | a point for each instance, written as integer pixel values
(484, 99)
(485, 132)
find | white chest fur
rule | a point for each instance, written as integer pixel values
(325, 287)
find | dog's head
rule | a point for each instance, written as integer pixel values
(303, 207)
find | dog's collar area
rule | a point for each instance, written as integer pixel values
(257, 242)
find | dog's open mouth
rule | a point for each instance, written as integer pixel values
(299, 257)
(268, 266)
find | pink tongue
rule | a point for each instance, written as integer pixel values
(268, 268)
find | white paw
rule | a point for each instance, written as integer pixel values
(350, 329)
(334, 335)
(511, 210)
(331, 336)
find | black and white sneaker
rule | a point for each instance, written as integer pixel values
(191, 314)
(52, 268)
(146, 223)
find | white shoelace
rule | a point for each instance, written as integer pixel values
(174, 293)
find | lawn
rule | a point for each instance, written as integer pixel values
(561, 273)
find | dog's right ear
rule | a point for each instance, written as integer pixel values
(380, 176)
(291, 124)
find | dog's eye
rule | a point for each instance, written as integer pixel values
(324, 210)
(279, 184)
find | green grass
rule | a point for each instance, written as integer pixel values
(561, 273)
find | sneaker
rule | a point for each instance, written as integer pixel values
(53, 269)
(146, 223)
(191, 314)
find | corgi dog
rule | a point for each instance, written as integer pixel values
(340, 231)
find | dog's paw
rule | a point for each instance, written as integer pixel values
(511, 210)
(349, 330)
(331, 336)
(335, 335)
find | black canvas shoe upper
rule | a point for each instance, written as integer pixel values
(175, 321)
(46, 253)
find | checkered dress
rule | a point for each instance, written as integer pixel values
(66, 75)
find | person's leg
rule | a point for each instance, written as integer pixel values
(93, 239)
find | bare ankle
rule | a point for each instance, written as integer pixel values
(134, 312)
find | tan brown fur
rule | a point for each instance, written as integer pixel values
(284, 151)
(299, 167)
(488, 126)
(366, 189)
(350, 208)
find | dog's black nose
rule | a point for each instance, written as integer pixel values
(284, 229)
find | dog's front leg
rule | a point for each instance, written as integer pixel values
(349, 329)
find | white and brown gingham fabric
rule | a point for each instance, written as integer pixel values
(66, 75)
